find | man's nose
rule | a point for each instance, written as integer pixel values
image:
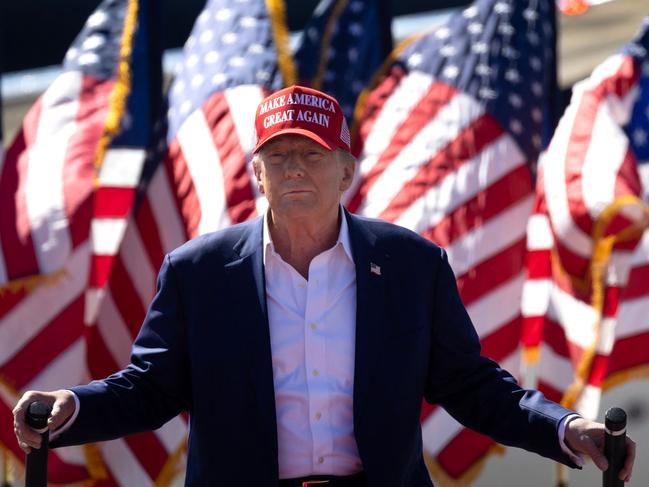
(294, 166)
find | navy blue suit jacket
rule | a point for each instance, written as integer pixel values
(204, 347)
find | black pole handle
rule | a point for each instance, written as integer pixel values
(614, 446)
(36, 463)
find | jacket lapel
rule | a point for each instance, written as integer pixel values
(372, 272)
(248, 291)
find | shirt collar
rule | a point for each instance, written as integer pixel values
(343, 236)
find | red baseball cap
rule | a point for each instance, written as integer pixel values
(302, 111)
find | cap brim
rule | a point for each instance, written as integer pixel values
(296, 131)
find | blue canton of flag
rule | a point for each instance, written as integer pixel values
(231, 44)
(343, 45)
(504, 56)
(638, 127)
(95, 51)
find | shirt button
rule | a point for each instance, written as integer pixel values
(320, 459)
(301, 286)
(318, 415)
(314, 327)
(316, 373)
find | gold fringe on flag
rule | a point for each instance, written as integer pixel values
(122, 88)
(94, 462)
(172, 467)
(29, 283)
(277, 14)
(595, 279)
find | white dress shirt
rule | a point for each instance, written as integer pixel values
(312, 335)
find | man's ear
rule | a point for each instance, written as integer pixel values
(348, 163)
(256, 167)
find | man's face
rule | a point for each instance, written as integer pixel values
(300, 178)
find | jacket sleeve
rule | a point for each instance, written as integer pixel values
(475, 390)
(153, 388)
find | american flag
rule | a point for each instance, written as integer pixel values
(203, 183)
(342, 46)
(586, 300)
(446, 142)
(78, 161)
(230, 65)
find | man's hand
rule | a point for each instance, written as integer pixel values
(587, 437)
(62, 404)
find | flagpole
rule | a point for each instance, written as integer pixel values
(562, 478)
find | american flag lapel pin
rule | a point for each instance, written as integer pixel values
(375, 269)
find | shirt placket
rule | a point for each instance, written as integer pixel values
(315, 353)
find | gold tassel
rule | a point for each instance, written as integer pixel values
(122, 88)
(172, 466)
(277, 14)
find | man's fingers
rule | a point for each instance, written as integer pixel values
(590, 448)
(625, 473)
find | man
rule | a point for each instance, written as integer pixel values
(303, 342)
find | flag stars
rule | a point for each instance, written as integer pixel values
(506, 29)
(536, 141)
(203, 17)
(93, 42)
(487, 93)
(256, 48)
(312, 32)
(72, 53)
(219, 78)
(358, 86)
(191, 61)
(480, 48)
(191, 42)
(263, 76)
(229, 38)
(248, 22)
(451, 71)
(530, 14)
(88, 58)
(356, 7)
(179, 87)
(443, 33)
(97, 19)
(533, 37)
(206, 36)
(352, 54)
(536, 63)
(448, 50)
(510, 53)
(475, 28)
(197, 80)
(502, 8)
(223, 14)
(483, 69)
(211, 57)
(237, 62)
(470, 12)
(185, 107)
(512, 75)
(515, 100)
(356, 29)
(537, 88)
(516, 126)
(537, 115)
(640, 137)
(415, 59)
